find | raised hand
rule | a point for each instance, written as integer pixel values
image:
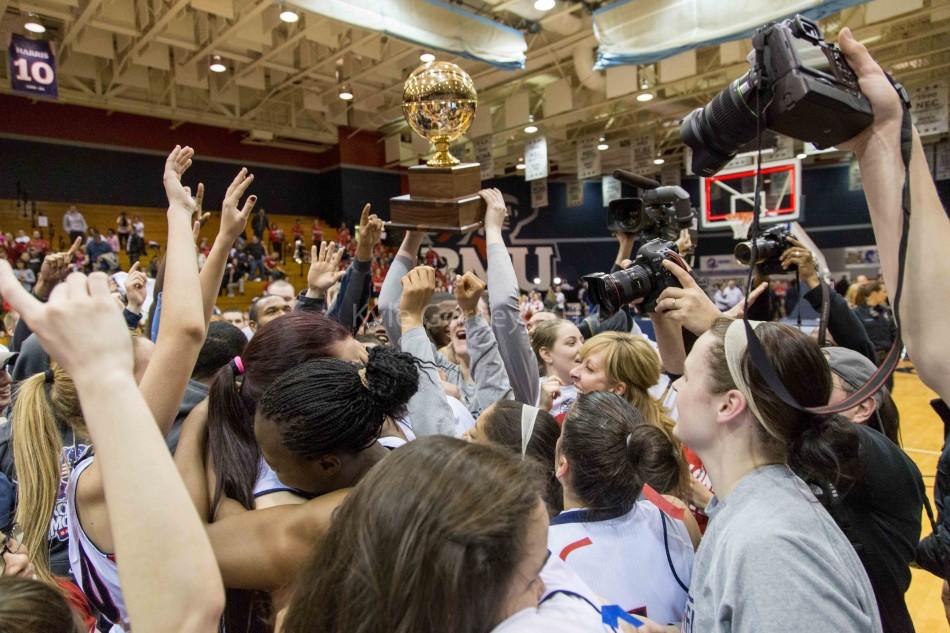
(468, 290)
(550, 391)
(688, 306)
(54, 270)
(684, 244)
(324, 269)
(418, 286)
(177, 164)
(136, 288)
(495, 209)
(80, 326)
(371, 231)
(233, 220)
(799, 255)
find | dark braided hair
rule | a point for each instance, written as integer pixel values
(324, 405)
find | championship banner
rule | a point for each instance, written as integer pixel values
(575, 193)
(483, 154)
(32, 67)
(539, 193)
(536, 159)
(588, 158)
(610, 188)
(929, 108)
(642, 153)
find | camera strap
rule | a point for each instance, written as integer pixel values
(878, 379)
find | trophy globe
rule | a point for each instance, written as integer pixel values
(438, 102)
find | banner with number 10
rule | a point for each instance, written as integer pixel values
(32, 67)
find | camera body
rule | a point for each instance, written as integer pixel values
(646, 278)
(659, 212)
(769, 246)
(803, 85)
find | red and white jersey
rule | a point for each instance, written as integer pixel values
(94, 570)
(641, 560)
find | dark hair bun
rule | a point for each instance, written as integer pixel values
(392, 378)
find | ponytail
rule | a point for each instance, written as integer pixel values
(37, 448)
(232, 446)
(825, 454)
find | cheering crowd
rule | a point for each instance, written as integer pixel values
(457, 466)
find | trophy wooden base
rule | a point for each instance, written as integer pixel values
(440, 199)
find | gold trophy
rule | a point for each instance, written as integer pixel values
(439, 102)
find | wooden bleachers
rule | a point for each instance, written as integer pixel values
(103, 216)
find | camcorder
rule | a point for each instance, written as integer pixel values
(768, 247)
(800, 85)
(644, 279)
(659, 212)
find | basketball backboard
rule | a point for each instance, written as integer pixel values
(727, 196)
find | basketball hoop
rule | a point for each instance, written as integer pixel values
(740, 223)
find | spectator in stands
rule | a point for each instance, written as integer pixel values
(343, 237)
(732, 294)
(74, 223)
(21, 243)
(123, 227)
(272, 269)
(260, 223)
(276, 236)
(316, 231)
(235, 318)
(96, 247)
(113, 240)
(136, 244)
(23, 274)
(255, 258)
(265, 310)
(297, 230)
(34, 260)
(41, 245)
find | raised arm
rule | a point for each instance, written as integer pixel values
(509, 328)
(488, 370)
(182, 327)
(233, 221)
(390, 293)
(429, 411)
(168, 573)
(926, 290)
(353, 299)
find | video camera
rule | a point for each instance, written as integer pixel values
(803, 85)
(769, 246)
(659, 212)
(645, 278)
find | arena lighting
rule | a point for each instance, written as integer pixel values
(557, 281)
(802, 156)
(603, 146)
(543, 5)
(217, 65)
(519, 166)
(537, 281)
(33, 24)
(426, 58)
(643, 97)
(531, 128)
(658, 161)
(289, 16)
(345, 93)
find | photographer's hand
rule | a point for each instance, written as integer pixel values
(799, 255)
(625, 242)
(688, 306)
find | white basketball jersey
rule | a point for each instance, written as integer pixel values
(94, 570)
(641, 560)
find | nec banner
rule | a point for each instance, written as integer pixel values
(32, 67)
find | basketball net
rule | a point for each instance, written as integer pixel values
(740, 223)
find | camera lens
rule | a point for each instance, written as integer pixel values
(716, 132)
(765, 249)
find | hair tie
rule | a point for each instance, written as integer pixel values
(362, 375)
(238, 365)
(529, 415)
(49, 376)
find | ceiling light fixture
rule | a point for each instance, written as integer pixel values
(658, 161)
(289, 16)
(33, 24)
(426, 58)
(643, 97)
(802, 156)
(345, 93)
(537, 281)
(603, 146)
(543, 5)
(520, 164)
(531, 128)
(217, 64)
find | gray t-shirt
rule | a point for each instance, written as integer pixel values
(773, 559)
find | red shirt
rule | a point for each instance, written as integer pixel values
(297, 230)
(41, 245)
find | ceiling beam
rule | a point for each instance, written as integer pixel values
(154, 30)
(230, 31)
(291, 41)
(88, 12)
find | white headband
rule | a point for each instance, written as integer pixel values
(735, 345)
(528, 416)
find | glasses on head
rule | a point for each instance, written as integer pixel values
(11, 543)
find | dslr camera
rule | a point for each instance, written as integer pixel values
(769, 246)
(659, 212)
(805, 90)
(645, 278)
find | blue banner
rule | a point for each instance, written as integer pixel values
(32, 67)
